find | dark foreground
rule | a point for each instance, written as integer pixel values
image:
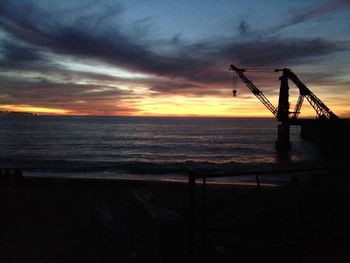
(75, 220)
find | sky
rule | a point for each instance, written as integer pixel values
(170, 58)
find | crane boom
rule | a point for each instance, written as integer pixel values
(258, 93)
(321, 109)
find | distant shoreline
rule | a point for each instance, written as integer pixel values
(17, 113)
(137, 117)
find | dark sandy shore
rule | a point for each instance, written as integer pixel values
(88, 220)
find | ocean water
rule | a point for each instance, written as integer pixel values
(142, 147)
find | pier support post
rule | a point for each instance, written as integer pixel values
(283, 142)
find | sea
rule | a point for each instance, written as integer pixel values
(143, 148)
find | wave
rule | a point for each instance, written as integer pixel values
(131, 167)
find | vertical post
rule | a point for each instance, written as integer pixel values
(191, 214)
(283, 100)
(258, 186)
(204, 219)
(283, 142)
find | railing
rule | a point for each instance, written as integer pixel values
(193, 177)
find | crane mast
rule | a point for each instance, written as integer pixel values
(258, 93)
(321, 109)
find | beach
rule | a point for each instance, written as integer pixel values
(99, 220)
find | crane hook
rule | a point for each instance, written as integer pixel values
(234, 84)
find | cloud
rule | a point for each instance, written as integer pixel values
(279, 52)
(16, 54)
(74, 40)
(92, 31)
(70, 96)
(301, 16)
(166, 88)
(197, 61)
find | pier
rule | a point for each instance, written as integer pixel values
(331, 137)
(327, 131)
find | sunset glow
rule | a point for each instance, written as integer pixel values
(214, 106)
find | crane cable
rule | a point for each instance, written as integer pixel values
(252, 69)
(234, 84)
(257, 69)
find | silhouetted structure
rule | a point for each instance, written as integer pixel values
(326, 131)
